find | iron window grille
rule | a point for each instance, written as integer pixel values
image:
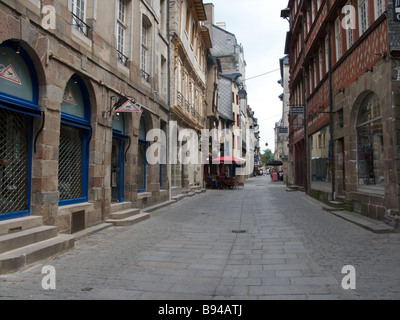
(14, 161)
(70, 175)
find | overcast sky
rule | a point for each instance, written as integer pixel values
(258, 26)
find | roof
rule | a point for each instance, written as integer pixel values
(205, 34)
(200, 10)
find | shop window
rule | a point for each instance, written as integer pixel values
(321, 156)
(370, 142)
(18, 109)
(75, 132)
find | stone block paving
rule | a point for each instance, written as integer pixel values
(254, 243)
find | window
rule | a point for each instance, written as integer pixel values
(379, 8)
(145, 49)
(312, 11)
(338, 39)
(121, 31)
(363, 15)
(320, 65)
(187, 20)
(321, 156)
(193, 34)
(163, 77)
(79, 16)
(327, 53)
(349, 38)
(163, 16)
(370, 142)
(315, 72)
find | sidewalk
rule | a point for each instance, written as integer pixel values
(367, 223)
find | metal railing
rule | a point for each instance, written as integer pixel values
(145, 76)
(78, 24)
(180, 99)
(123, 59)
(187, 105)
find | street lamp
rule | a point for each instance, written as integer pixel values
(242, 93)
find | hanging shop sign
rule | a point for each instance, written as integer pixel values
(397, 10)
(129, 106)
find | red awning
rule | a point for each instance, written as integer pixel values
(228, 160)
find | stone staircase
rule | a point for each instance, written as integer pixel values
(26, 240)
(123, 215)
(340, 204)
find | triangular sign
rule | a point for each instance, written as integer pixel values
(10, 75)
(129, 106)
(68, 97)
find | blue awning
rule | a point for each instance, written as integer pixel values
(21, 109)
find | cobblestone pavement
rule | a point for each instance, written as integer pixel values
(284, 246)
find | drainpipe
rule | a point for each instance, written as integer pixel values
(305, 110)
(331, 107)
(169, 103)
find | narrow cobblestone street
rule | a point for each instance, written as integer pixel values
(256, 242)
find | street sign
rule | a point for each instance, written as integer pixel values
(282, 130)
(296, 109)
(9, 74)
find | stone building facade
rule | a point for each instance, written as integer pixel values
(282, 126)
(344, 62)
(68, 154)
(189, 44)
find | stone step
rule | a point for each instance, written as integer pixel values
(15, 260)
(370, 224)
(330, 209)
(19, 224)
(336, 204)
(115, 207)
(124, 214)
(130, 220)
(158, 206)
(24, 238)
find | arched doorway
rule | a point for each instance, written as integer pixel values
(75, 134)
(119, 141)
(18, 109)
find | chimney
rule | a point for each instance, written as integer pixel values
(209, 8)
(221, 24)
